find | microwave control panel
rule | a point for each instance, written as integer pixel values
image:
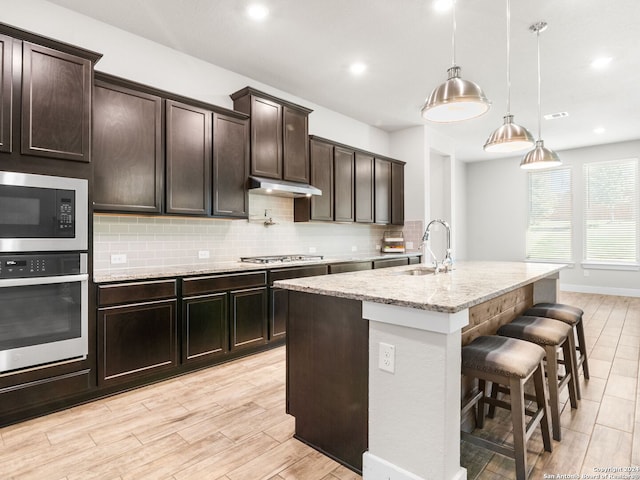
(18, 266)
(65, 213)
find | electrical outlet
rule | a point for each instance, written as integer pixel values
(387, 360)
(118, 258)
(203, 253)
(312, 249)
(585, 273)
(354, 248)
(409, 245)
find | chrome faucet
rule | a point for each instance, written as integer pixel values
(447, 262)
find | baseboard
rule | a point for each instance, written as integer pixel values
(621, 292)
(376, 468)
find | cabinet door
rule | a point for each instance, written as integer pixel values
(279, 313)
(382, 173)
(322, 178)
(343, 184)
(295, 148)
(266, 138)
(248, 317)
(188, 156)
(364, 186)
(230, 166)
(397, 194)
(205, 333)
(6, 92)
(127, 150)
(136, 340)
(56, 103)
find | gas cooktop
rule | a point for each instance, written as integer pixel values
(281, 258)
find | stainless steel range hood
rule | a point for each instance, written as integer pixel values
(281, 188)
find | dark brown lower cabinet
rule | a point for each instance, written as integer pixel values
(136, 340)
(327, 375)
(248, 317)
(136, 331)
(205, 334)
(279, 298)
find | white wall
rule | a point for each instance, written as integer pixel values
(497, 216)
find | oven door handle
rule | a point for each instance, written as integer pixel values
(24, 282)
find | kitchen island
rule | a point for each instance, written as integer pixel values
(373, 359)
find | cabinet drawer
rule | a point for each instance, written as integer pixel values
(391, 262)
(297, 272)
(136, 292)
(199, 285)
(349, 267)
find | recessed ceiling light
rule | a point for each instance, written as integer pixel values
(601, 62)
(257, 11)
(442, 5)
(357, 68)
(599, 130)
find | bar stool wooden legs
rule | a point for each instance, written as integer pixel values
(571, 316)
(551, 335)
(509, 362)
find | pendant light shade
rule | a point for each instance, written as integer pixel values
(540, 156)
(456, 99)
(510, 137)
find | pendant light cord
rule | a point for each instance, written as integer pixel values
(508, 57)
(539, 81)
(453, 36)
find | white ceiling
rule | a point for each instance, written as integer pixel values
(306, 46)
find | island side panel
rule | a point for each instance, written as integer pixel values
(327, 375)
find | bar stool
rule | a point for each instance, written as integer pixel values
(552, 335)
(572, 316)
(510, 362)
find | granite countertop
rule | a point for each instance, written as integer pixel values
(150, 273)
(470, 283)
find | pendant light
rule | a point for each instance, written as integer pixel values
(510, 137)
(456, 99)
(540, 156)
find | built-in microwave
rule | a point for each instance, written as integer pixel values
(42, 213)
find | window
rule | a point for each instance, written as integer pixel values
(549, 227)
(611, 212)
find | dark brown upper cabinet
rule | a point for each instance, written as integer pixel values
(279, 130)
(127, 149)
(188, 159)
(157, 152)
(230, 166)
(382, 176)
(56, 103)
(357, 186)
(397, 193)
(295, 148)
(322, 178)
(6, 92)
(344, 178)
(364, 188)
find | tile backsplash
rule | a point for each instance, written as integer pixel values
(151, 241)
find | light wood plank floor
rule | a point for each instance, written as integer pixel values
(228, 422)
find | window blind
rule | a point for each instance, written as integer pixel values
(550, 210)
(611, 211)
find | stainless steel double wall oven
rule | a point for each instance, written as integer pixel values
(43, 270)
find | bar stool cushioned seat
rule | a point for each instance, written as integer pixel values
(510, 362)
(572, 316)
(551, 335)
